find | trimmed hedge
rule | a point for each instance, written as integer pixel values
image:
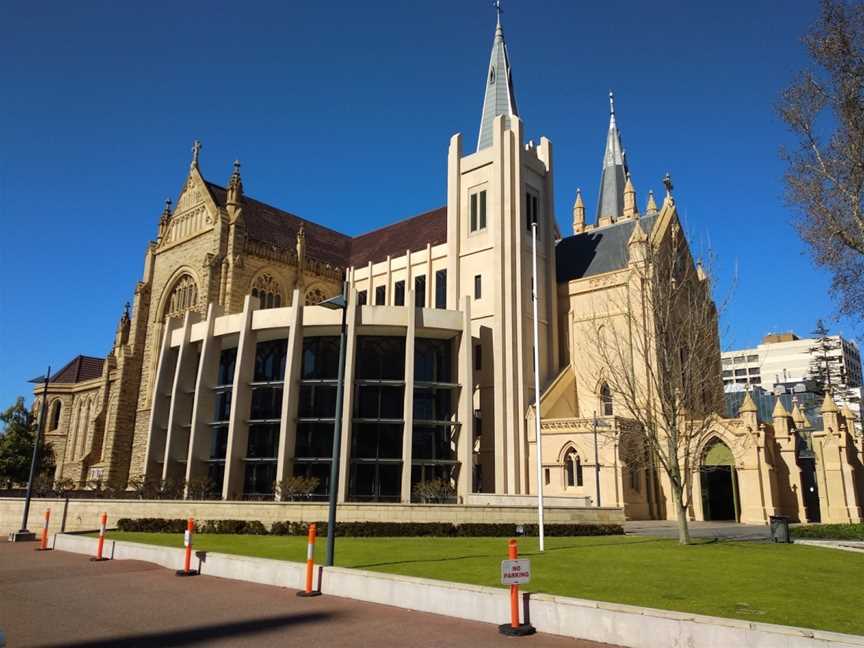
(828, 531)
(368, 529)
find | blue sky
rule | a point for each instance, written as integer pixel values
(342, 112)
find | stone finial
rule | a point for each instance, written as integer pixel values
(828, 404)
(667, 183)
(630, 209)
(779, 410)
(797, 416)
(196, 151)
(748, 405)
(164, 217)
(700, 271)
(578, 213)
(235, 186)
(651, 207)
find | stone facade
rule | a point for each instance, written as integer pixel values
(228, 273)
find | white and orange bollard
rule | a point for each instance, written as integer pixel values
(310, 563)
(43, 543)
(187, 542)
(103, 524)
(514, 628)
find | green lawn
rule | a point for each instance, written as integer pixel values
(786, 584)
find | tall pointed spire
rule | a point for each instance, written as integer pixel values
(499, 98)
(610, 205)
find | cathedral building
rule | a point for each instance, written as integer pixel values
(224, 367)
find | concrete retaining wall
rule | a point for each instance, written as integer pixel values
(83, 514)
(623, 625)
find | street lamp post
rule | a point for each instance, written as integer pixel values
(23, 533)
(334, 303)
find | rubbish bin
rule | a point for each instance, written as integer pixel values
(779, 528)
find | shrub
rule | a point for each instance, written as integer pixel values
(369, 529)
(295, 488)
(829, 532)
(202, 488)
(434, 491)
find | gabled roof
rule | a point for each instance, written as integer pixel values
(499, 98)
(273, 226)
(596, 251)
(81, 368)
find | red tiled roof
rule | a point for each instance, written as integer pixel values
(273, 226)
(79, 369)
(410, 234)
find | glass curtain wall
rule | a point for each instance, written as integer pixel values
(434, 464)
(317, 412)
(378, 420)
(264, 416)
(221, 416)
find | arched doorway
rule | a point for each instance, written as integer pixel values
(719, 483)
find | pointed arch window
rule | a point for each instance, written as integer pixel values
(606, 400)
(572, 468)
(54, 418)
(315, 296)
(267, 290)
(183, 296)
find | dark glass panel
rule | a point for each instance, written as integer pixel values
(266, 403)
(432, 360)
(399, 294)
(317, 401)
(270, 360)
(320, 358)
(219, 442)
(432, 443)
(314, 440)
(263, 441)
(227, 360)
(216, 474)
(380, 358)
(223, 406)
(260, 477)
(441, 289)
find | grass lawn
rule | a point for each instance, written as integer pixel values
(786, 584)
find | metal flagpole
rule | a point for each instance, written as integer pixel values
(539, 446)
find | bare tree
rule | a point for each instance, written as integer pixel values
(656, 345)
(824, 108)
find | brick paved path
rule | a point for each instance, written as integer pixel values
(62, 599)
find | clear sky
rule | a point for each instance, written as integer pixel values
(341, 112)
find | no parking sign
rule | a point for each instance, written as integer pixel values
(515, 572)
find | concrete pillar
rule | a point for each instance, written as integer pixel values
(465, 408)
(408, 405)
(290, 393)
(352, 317)
(203, 402)
(454, 220)
(160, 405)
(180, 412)
(241, 400)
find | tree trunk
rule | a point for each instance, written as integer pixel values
(681, 515)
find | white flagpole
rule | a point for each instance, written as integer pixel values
(539, 446)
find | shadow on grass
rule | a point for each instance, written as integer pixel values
(206, 633)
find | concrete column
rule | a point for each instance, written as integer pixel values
(290, 393)
(180, 411)
(465, 408)
(408, 405)
(351, 318)
(241, 400)
(388, 283)
(454, 220)
(430, 278)
(160, 404)
(203, 402)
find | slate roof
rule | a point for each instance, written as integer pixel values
(499, 98)
(79, 369)
(600, 250)
(610, 202)
(274, 226)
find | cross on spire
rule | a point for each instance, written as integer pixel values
(498, 10)
(196, 149)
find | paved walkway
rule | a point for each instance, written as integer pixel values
(721, 530)
(62, 599)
